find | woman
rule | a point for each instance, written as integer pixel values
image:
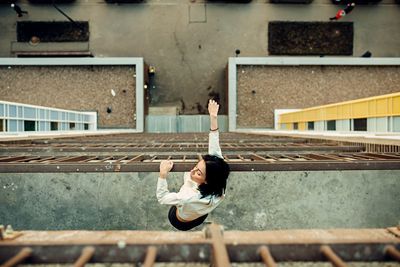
(204, 186)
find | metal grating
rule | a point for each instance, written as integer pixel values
(214, 246)
(177, 147)
(184, 162)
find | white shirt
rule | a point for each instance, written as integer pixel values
(188, 200)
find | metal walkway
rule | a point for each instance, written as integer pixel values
(337, 246)
(143, 153)
(184, 162)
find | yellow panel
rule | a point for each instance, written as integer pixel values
(346, 111)
(289, 126)
(372, 108)
(302, 126)
(360, 110)
(313, 115)
(331, 113)
(396, 105)
(381, 107)
(386, 105)
(306, 115)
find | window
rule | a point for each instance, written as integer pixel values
(29, 126)
(310, 125)
(86, 126)
(53, 126)
(72, 125)
(360, 124)
(295, 126)
(331, 125)
(2, 125)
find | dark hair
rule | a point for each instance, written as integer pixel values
(217, 172)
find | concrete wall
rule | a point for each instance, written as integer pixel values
(255, 200)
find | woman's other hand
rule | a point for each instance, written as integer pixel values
(165, 168)
(213, 108)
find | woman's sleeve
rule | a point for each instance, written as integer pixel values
(213, 144)
(164, 196)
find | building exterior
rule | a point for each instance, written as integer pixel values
(17, 117)
(373, 114)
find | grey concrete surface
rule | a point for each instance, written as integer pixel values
(254, 201)
(189, 42)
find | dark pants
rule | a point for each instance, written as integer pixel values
(183, 226)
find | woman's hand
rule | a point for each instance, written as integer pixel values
(165, 168)
(213, 108)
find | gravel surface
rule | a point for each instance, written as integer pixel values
(82, 88)
(261, 89)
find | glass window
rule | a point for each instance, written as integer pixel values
(29, 113)
(86, 126)
(54, 115)
(360, 124)
(42, 126)
(29, 126)
(42, 114)
(54, 126)
(310, 125)
(20, 113)
(331, 125)
(2, 125)
(1, 110)
(72, 116)
(72, 126)
(64, 116)
(13, 111)
(295, 126)
(13, 125)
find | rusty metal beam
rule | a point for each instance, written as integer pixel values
(332, 256)
(201, 252)
(187, 165)
(151, 256)
(178, 148)
(266, 256)
(220, 254)
(392, 252)
(86, 255)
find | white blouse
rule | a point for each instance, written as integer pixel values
(188, 200)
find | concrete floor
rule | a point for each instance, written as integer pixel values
(189, 42)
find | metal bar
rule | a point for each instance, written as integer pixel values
(392, 252)
(266, 256)
(220, 254)
(9, 159)
(150, 256)
(184, 247)
(73, 159)
(136, 158)
(86, 255)
(332, 257)
(20, 257)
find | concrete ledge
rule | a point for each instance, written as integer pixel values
(49, 47)
(369, 138)
(60, 134)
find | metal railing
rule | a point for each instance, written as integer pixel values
(213, 245)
